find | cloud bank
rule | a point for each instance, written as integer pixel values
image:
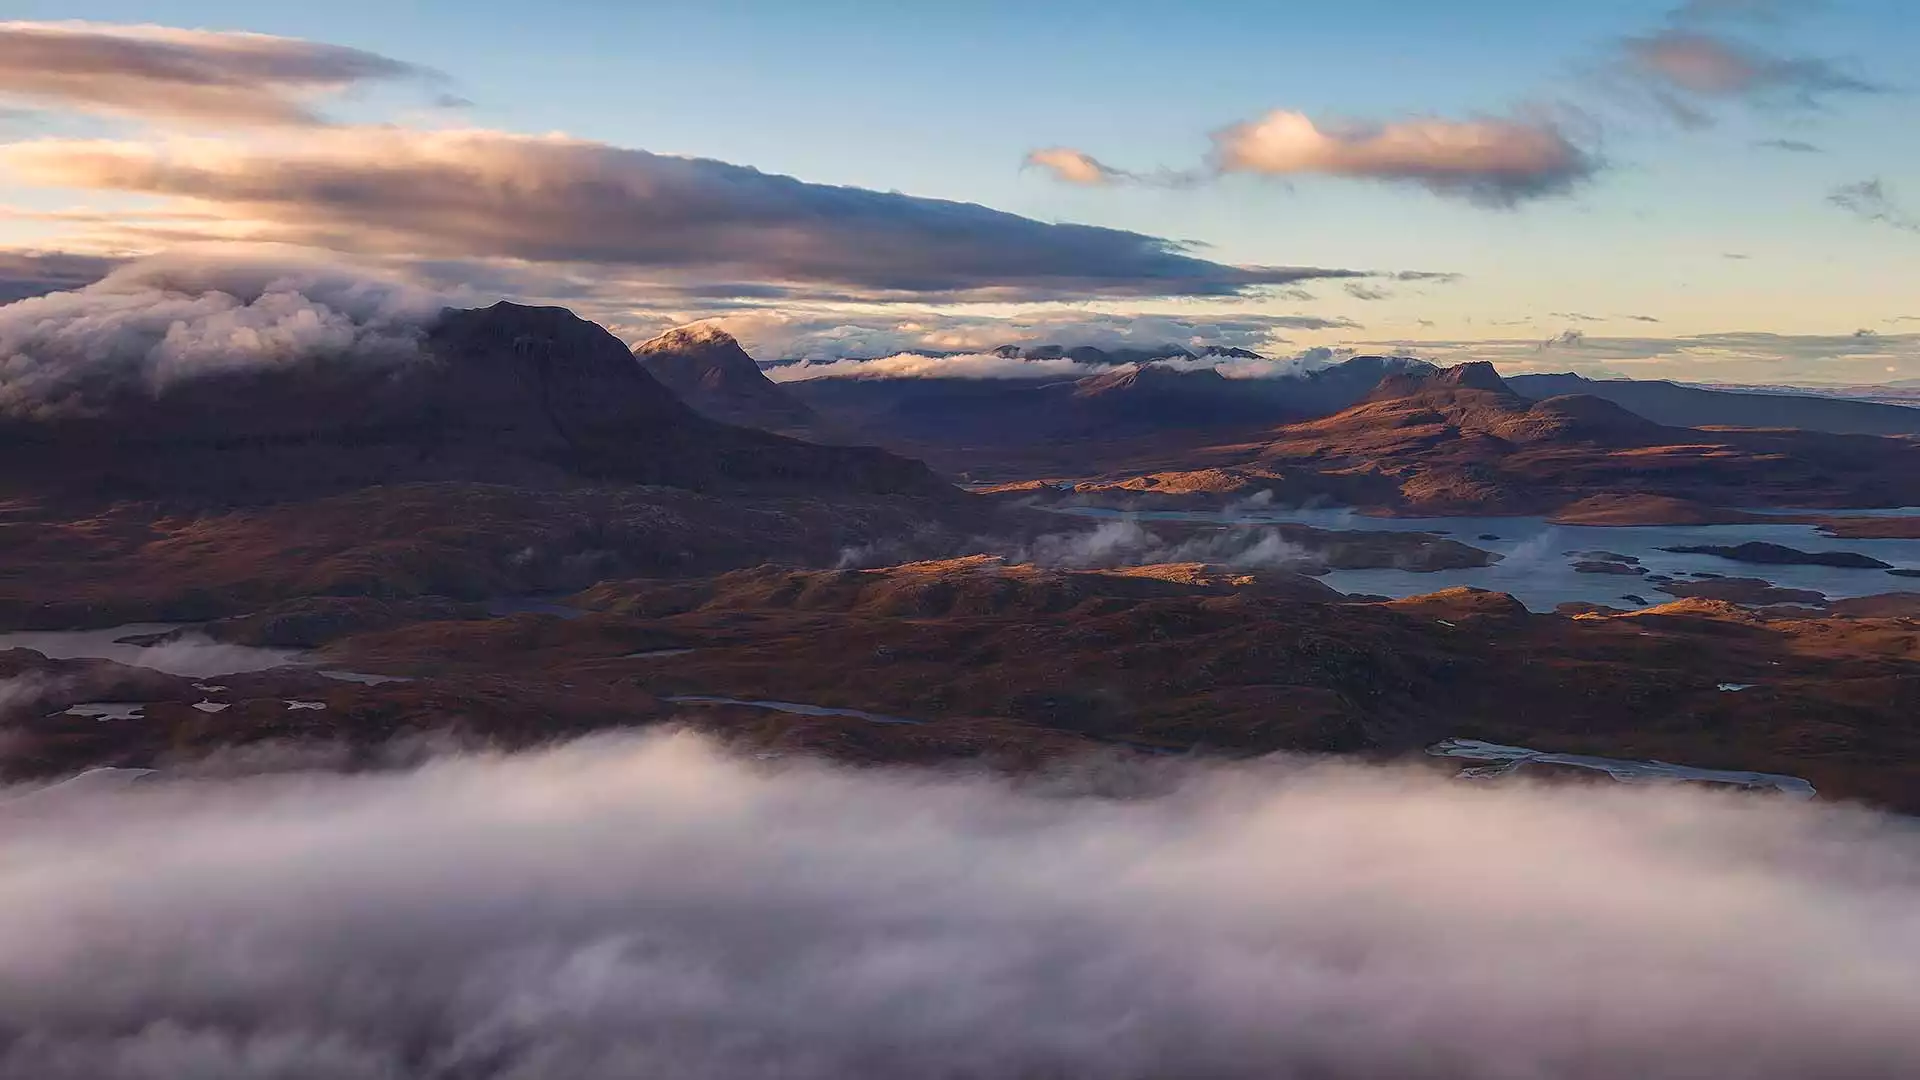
(1492, 161)
(199, 76)
(553, 199)
(32, 273)
(164, 320)
(919, 366)
(827, 337)
(628, 907)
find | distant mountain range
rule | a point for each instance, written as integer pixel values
(1691, 406)
(1463, 439)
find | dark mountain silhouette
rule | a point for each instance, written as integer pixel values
(709, 370)
(1689, 406)
(526, 396)
(1132, 400)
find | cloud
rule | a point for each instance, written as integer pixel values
(917, 366)
(1125, 543)
(197, 76)
(1075, 166)
(157, 322)
(35, 273)
(824, 337)
(1868, 200)
(1705, 65)
(1072, 166)
(553, 199)
(1791, 146)
(1491, 161)
(1362, 291)
(995, 366)
(624, 907)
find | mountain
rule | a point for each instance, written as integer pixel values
(526, 396)
(950, 418)
(709, 370)
(1688, 406)
(1462, 439)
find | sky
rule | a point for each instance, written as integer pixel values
(1716, 190)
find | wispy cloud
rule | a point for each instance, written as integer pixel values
(1490, 161)
(1075, 166)
(1869, 200)
(196, 76)
(1709, 66)
(1791, 146)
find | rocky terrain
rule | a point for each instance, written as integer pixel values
(979, 658)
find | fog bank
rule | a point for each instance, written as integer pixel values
(647, 907)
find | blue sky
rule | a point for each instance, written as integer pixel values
(946, 100)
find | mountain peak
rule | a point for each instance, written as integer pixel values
(1475, 375)
(706, 368)
(689, 338)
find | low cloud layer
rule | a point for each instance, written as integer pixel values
(918, 366)
(827, 337)
(29, 273)
(996, 366)
(552, 199)
(161, 321)
(628, 907)
(1494, 161)
(199, 76)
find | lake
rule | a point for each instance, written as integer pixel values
(1537, 570)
